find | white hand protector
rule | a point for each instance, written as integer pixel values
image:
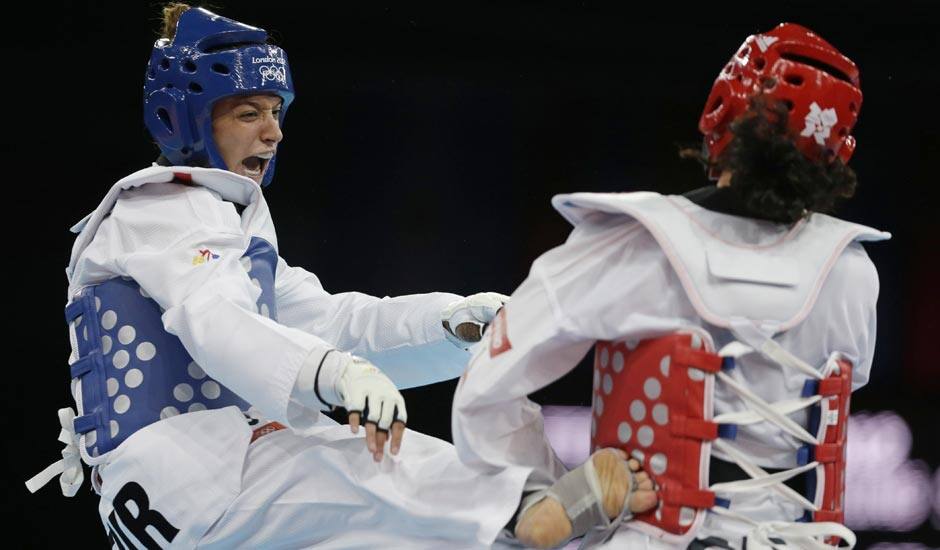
(359, 386)
(466, 319)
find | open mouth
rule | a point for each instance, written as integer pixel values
(256, 165)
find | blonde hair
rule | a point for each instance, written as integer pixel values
(171, 16)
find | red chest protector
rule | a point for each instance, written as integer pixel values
(655, 401)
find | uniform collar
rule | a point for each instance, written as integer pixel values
(724, 200)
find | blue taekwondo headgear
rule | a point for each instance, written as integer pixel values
(211, 57)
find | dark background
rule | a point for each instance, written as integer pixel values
(421, 153)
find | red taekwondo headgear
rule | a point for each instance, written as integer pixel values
(819, 85)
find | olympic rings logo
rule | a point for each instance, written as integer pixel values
(273, 72)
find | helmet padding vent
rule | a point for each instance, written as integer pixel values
(825, 67)
(165, 119)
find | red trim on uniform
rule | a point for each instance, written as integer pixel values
(183, 176)
(270, 427)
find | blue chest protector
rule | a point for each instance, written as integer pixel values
(133, 372)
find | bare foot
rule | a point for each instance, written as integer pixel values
(546, 524)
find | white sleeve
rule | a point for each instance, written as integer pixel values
(402, 335)
(526, 348)
(153, 236)
(845, 312)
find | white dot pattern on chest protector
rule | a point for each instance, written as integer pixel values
(605, 358)
(660, 414)
(133, 378)
(624, 432)
(135, 384)
(183, 392)
(637, 410)
(658, 463)
(597, 379)
(127, 334)
(146, 351)
(618, 361)
(195, 371)
(593, 427)
(122, 404)
(644, 436)
(109, 319)
(210, 389)
(608, 384)
(598, 405)
(660, 381)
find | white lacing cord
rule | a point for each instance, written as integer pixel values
(69, 468)
(770, 414)
(799, 535)
(802, 536)
(787, 406)
(760, 478)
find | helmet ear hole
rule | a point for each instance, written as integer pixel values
(220, 68)
(195, 88)
(164, 117)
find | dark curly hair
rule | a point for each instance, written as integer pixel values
(773, 178)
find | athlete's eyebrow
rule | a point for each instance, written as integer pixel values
(259, 106)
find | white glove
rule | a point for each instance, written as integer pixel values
(466, 319)
(358, 386)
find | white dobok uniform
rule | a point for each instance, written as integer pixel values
(642, 265)
(195, 472)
